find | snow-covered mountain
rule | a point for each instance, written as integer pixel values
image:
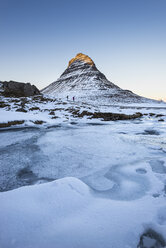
(84, 81)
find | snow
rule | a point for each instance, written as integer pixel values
(66, 213)
(62, 110)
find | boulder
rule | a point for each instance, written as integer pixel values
(17, 89)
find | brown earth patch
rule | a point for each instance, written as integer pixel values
(11, 123)
(38, 122)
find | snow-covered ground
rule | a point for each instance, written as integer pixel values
(108, 178)
(52, 111)
(66, 213)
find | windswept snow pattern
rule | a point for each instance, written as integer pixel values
(66, 213)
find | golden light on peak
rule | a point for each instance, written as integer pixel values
(82, 57)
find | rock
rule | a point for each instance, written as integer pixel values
(3, 104)
(82, 57)
(52, 113)
(54, 117)
(105, 116)
(115, 116)
(34, 108)
(41, 98)
(17, 89)
(21, 110)
(38, 122)
(151, 132)
(159, 115)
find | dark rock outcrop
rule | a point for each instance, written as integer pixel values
(17, 89)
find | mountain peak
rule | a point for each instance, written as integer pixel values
(84, 81)
(82, 57)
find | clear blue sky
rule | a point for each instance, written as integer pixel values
(125, 38)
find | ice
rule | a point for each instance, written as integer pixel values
(66, 213)
(162, 216)
(149, 242)
(69, 151)
(104, 158)
(158, 166)
(141, 171)
(128, 185)
(18, 151)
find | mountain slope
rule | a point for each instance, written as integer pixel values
(84, 81)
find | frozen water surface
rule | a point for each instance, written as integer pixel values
(119, 201)
(113, 159)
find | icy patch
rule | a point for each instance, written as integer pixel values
(128, 185)
(162, 216)
(141, 171)
(151, 132)
(158, 166)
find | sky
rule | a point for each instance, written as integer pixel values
(125, 38)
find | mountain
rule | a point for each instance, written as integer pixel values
(85, 82)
